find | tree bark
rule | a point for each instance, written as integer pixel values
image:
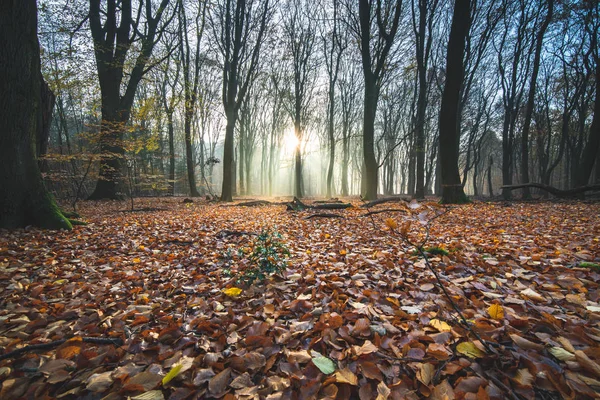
(452, 189)
(23, 198)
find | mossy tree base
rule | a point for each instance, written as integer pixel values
(23, 198)
(454, 194)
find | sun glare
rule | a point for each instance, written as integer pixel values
(290, 141)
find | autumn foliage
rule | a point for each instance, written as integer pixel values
(148, 306)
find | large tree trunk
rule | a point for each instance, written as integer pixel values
(370, 163)
(23, 197)
(452, 189)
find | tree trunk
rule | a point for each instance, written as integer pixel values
(189, 154)
(452, 189)
(298, 184)
(489, 177)
(171, 153)
(592, 147)
(23, 197)
(228, 166)
(48, 100)
(370, 163)
(531, 99)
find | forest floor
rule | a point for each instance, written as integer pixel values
(148, 305)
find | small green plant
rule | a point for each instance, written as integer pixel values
(591, 265)
(433, 250)
(265, 256)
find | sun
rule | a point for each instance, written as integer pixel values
(290, 141)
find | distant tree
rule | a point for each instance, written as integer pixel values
(116, 32)
(423, 30)
(239, 28)
(377, 26)
(191, 76)
(300, 33)
(452, 189)
(23, 198)
(589, 154)
(531, 98)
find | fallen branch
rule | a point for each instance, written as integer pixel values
(384, 211)
(46, 346)
(554, 191)
(324, 215)
(383, 200)
(297, 205)
(254, 203)
(226, 232)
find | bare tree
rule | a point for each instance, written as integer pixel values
(115, 29)
(452, 189)
(376, 28)
(239, 28)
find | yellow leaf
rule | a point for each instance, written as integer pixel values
(232, 292)
(470, 350)
(496, 311)
(136, 260)
(440, 325)
(346, 376)
(390, 223)
(562, 354)
(172, 374)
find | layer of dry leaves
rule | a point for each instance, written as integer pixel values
(355, 293)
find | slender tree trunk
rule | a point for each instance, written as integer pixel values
(592, 147)
(298, 184)
(530, 101)
(489, 177)
(452, 189)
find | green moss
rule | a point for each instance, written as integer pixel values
(77, 222)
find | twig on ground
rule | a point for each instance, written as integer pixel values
(324, 215)
(56, 343)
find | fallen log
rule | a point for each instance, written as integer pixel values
(253, 203)
(297, 205)
(554, 191)
(324, 215)
(385, 200)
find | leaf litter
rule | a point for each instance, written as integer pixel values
(356, 314)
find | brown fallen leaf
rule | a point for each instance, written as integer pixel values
(219, 382)
(588, 364)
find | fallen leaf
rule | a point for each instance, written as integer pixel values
(232, 292)
(470, 350)
(346, 376)
(496, 311)
(324, 364)
(440, 325)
